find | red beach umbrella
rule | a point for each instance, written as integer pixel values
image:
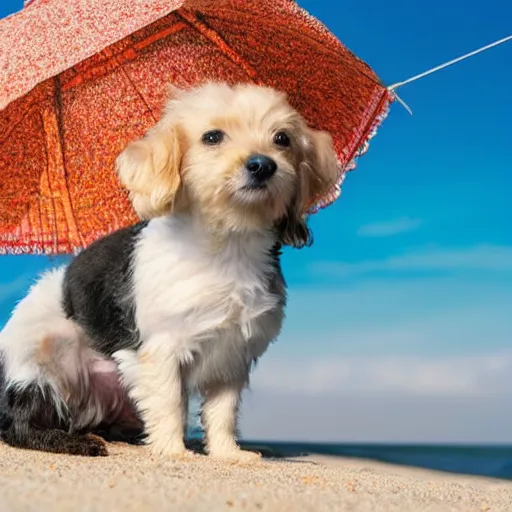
(79, 79)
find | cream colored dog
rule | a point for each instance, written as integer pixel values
(185, 301)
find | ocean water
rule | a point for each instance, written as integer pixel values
(493, 461)
(490, 461)
(484, 460)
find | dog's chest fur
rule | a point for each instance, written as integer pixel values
(220, 301)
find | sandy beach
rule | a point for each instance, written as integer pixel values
(131, 480)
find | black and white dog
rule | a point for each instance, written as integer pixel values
(183, 302)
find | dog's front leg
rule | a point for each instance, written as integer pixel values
(154, 382)
(219, 418)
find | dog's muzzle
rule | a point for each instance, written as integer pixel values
(260, 168)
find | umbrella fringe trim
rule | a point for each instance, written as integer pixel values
(37, 248)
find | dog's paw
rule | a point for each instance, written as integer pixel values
(88, 445)
(175, 451)
(179, 455)
(235, 455)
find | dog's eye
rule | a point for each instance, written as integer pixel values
(282, 139)
(213, 137)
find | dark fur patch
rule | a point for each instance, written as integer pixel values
(29, 420)
(119, 434)
(96, 295)
(277, 282)
(97, 291)
(294, 231)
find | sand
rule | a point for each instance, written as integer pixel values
(131, 480)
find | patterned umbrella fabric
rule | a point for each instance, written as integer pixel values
(81, 78)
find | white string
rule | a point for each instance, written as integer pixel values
(449, 63)
(394, 87)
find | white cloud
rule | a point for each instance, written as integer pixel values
(389, 418)
(474, 375)
(389, 360)
(484, 257)
(382, 399)
(389, 228)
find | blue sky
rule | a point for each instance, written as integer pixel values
(406, 297)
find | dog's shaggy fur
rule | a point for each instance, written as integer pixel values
(183, 302)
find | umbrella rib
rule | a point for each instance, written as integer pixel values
(69, 212)
(332, 53)
(50, 189)
(132, 83)
(202, 27)
(118, 58)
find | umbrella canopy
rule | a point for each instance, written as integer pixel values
(80, 79)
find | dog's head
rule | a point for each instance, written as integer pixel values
(240, 157)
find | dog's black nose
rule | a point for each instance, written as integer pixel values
(261, 167)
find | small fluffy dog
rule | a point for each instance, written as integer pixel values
(183, 302)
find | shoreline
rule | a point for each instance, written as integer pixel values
(130, 479)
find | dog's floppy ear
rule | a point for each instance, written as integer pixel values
(318, 172)
(150, 169)
(292, 228)
(320, 165)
